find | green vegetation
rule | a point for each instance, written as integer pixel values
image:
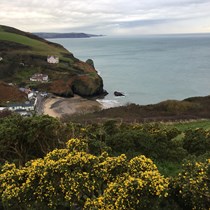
(37, 46)
(71, 177)
(205, 124)
(23, 139)
(104, 166)
(25, 54)
(190, 109)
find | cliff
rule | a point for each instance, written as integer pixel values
(24, 54)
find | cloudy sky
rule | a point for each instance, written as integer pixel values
(110, 17)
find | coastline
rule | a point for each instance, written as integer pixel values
(58, 107)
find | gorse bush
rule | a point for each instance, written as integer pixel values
(23, 139)
(103, 166)
(191, 188)
(152, 140)
(197, 141)
(72, 177)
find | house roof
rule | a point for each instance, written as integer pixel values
(21, 104)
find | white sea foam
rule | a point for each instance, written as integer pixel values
(108, 103)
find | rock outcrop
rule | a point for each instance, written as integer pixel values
(116, 93)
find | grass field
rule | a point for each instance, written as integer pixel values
(38, 47)
(192, 124)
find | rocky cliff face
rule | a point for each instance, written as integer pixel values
(25, 54)
(88, 83)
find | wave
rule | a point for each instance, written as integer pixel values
(108, 103)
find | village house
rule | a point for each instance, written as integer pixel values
(25, 107)
(2, 108)
(31, 96)
(39, 78)
(52, 59)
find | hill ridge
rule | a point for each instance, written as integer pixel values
(24, 54)
(47, 35)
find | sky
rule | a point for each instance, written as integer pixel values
(109, 17)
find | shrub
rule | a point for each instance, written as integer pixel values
(191, 189)
(71, 177)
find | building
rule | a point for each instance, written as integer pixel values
(30, 96)
(52, 59)
(3, 108)
(39, 78)
(25, 109)
(27, 106)
(1, 59)
(44, 94)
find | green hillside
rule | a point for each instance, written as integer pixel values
(36, 44)
(24, 54)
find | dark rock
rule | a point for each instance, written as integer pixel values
(90, 62)
(104, 93)
(87, 86)
(116, 93)
(101, 95)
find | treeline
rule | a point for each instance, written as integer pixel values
(103, 166)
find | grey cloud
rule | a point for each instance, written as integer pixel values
(140, 23)
(68, 15)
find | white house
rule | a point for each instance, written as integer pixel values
(29, 107)
(14, 107)
(26, 107)
(39, 78)
(2, 108)
(52, 59)
(30, 95)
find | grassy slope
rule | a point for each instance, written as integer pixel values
(171, 168)
(38, 47)
(70, 74)
(33, 46)
(182, 126)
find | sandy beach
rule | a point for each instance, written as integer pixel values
(58, 106)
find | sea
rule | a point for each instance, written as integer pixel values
(147, 69)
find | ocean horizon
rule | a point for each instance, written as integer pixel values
(147, 69)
